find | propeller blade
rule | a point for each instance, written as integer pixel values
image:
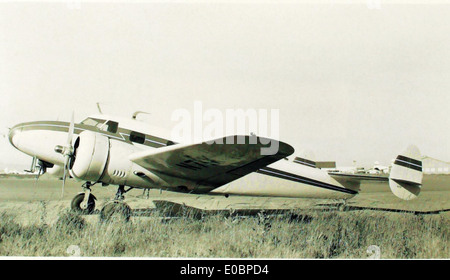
(66, 160)
(68, 152)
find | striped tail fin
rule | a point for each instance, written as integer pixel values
(405, 179)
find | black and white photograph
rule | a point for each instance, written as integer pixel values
(225, 130)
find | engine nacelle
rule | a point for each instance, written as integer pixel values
(90, 156)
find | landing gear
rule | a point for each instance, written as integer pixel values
(117, 206)
(76, 204)
(146, 194)
(84, 203)
(343, 205)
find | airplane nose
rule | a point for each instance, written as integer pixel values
(13, 136)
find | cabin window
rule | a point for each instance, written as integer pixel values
(112, 126)
(137, 137)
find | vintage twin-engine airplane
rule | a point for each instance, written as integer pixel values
(127, 152)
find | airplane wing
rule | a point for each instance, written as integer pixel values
(211, 165)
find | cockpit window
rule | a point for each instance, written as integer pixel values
(92, 122)
(110, 126)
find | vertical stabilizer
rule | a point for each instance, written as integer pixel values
(405, 179)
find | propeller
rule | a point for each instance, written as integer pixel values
(67, 152)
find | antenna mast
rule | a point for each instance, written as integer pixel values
(137, 113)
(99, 109)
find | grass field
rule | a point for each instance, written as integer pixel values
(36, 221)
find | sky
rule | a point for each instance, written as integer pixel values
(351, 81)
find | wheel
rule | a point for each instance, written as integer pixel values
(115, 210)
(76, 204)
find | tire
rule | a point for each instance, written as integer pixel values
(76, 204)
(115, 210)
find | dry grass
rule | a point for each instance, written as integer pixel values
(34, 222)
(312, 235)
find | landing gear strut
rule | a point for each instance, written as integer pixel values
(84, 203)
(120, 193)
(343, 205)
(117, 206)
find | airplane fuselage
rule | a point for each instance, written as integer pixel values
(114, 139)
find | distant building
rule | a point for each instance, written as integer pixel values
(7, 171)
(326, 164)
(429, 166)
(435, 166)
(316, 164)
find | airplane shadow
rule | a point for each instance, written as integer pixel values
(143, 212)
(342, 207)
(171, 210)
(167, 210)
(173, 213)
